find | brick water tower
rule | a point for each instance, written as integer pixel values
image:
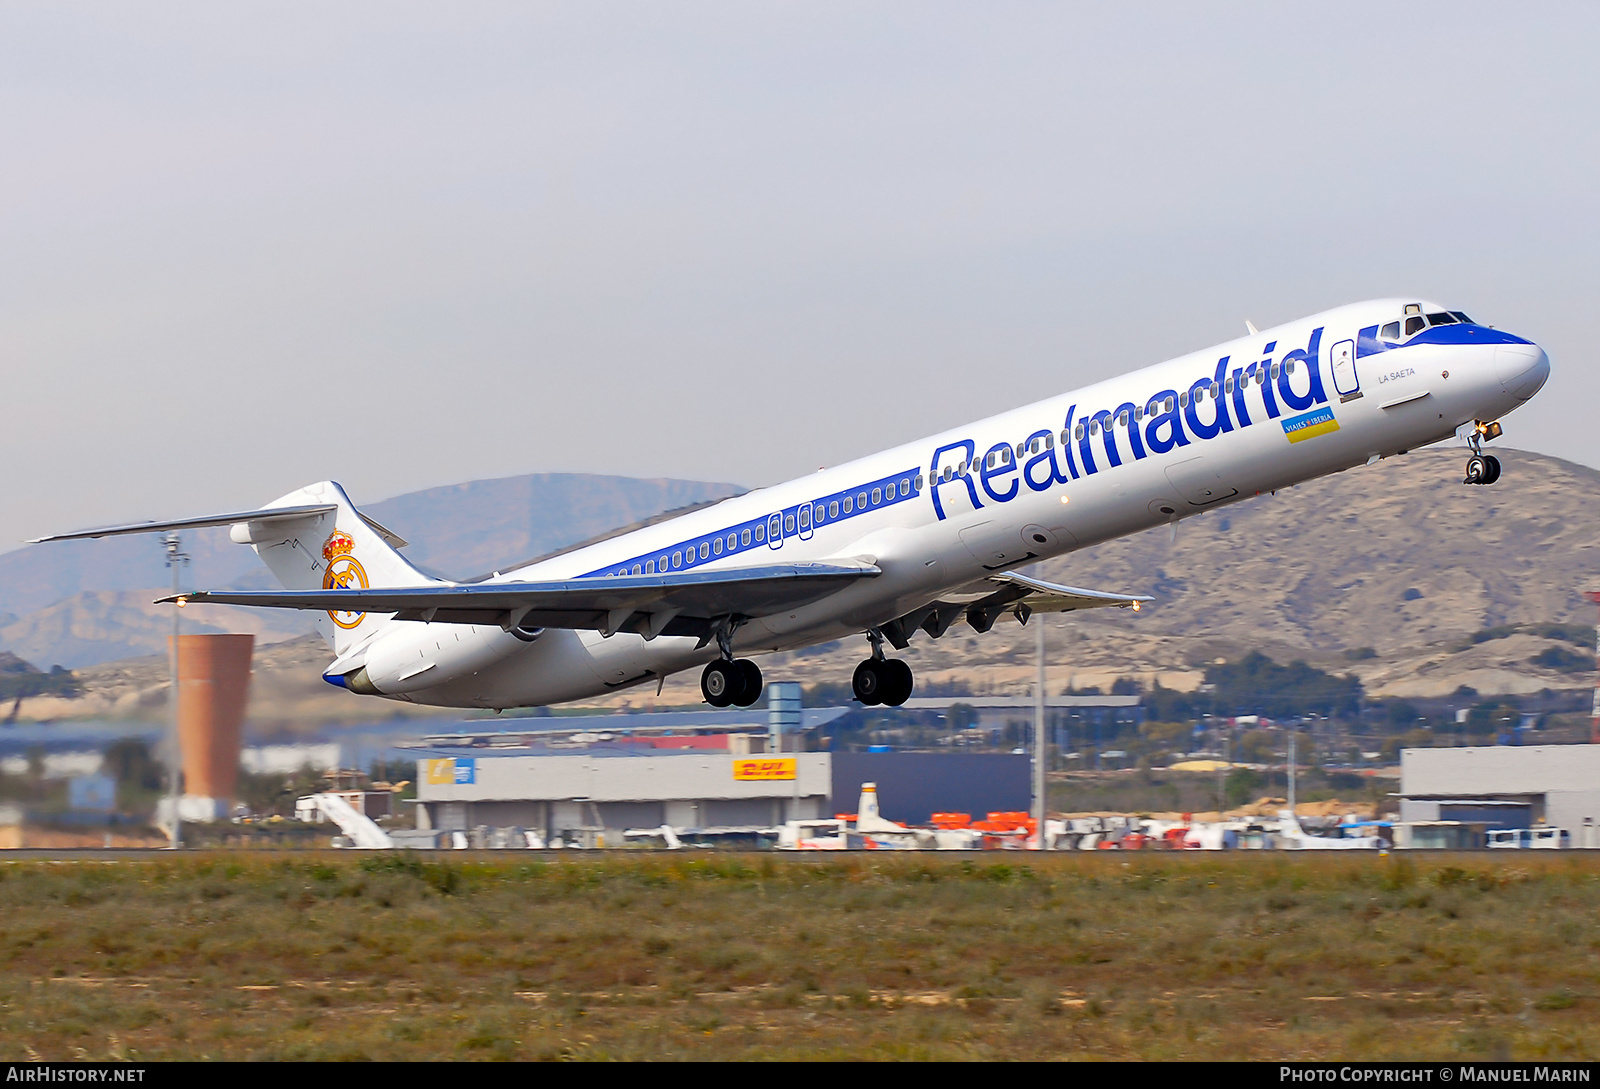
(213, 692)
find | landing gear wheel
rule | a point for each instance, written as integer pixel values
(869, 682)
(750, 674)
(722, 683)
(898, 682)
(1492, 468)
(1477, 470)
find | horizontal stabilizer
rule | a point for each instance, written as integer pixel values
(271, 514)
(685, 603)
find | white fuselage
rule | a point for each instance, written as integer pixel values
(1332, 394)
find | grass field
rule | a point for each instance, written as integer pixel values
(668, 956)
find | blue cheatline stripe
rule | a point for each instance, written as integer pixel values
(752, 533)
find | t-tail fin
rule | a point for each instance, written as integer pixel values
(312, 539)
(332, 546)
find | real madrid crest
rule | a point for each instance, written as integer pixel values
(344, 572)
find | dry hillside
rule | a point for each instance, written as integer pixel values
(1399, 557)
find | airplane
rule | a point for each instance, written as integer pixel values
(913, 539)
(1295, 838)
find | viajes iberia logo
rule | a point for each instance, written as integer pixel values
(344, 572)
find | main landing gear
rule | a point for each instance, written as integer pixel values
(880, 680)
(736, 681)
(1482, 468)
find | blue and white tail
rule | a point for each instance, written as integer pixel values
(329, 549)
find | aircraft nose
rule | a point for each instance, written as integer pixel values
(1523, 369)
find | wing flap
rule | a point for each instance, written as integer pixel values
(985, 601)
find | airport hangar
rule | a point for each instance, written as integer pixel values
(722, 771)
(1505, 786)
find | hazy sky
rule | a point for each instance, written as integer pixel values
(245, 247)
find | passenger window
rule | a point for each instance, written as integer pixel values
(744, 538)
(1094, 429)
(650, 567)
(1171, 403)
(833, 509)
(849, 504)
(1183, 399)
(733, 541)
(638, 570)
(1047, 440)
(761, 534)
(861, 500)
(1274, 372)
(705, 550)
(1390, 331)
(788, 523)
(1288, 368)
(1414, 325)
(905, 488)
(1077, 433)
(989, 459)
(716, 546)
(677, 559)
(1227, 385)
(877, 496)
(805, 516)
(916, 485)
(1122, 418)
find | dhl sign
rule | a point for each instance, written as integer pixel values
(451, 771)
(758, 769)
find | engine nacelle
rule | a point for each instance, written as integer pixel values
(415, 656)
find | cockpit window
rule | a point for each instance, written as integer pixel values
(1442, 319)
(1459, 316)
(1415, 325)
(1390, 331)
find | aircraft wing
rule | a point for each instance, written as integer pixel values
(985, 601)
(687, 603)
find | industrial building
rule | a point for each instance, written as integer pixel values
(594, 795)
(1505, 786)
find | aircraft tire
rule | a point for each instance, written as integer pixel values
(867, 684)
(1491, 468)
(1477, 470)
(722, 683)
(899, 682)
(750, 674)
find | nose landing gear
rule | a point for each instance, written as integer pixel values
(880, 680)
(1482, 468)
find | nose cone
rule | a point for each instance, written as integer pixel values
(1522, 369)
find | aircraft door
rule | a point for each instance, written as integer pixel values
(775, 531)
(1344, 370)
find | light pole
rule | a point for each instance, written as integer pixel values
(1040, 746)
(176, 558)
